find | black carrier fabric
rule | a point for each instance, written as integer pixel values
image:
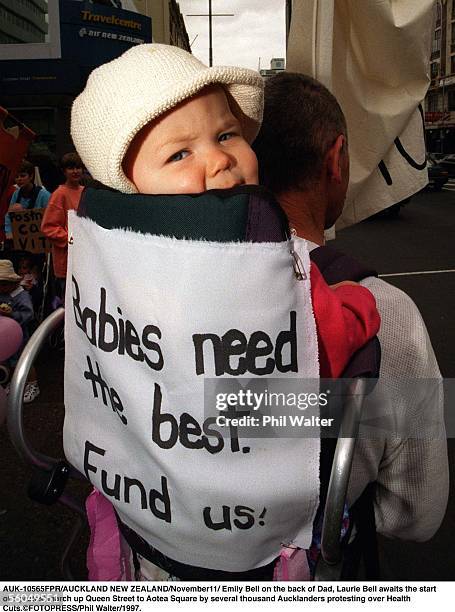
(242, 214)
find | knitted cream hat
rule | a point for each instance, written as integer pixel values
(127, 93)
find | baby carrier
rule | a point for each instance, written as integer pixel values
(246, 226)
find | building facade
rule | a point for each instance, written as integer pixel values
(38, 87)
(440, 100)
(23, 21)
(277, 64)
(49, 47)
(168, 26)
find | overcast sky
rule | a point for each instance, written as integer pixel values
(257, 30)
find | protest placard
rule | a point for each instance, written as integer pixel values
(27, 235)
(148, 318)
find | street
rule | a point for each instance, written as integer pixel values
(414, 252)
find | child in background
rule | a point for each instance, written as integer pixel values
(189, 131)
(27, 195)
(31, 279)
(29, 272)
(55, 220)
(16, 303)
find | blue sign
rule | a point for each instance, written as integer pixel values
(93, 34)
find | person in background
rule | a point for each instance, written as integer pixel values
(55, 220)
(303, 155)
(28, 268)
(4, 205)
(27, 195)
(16, 303)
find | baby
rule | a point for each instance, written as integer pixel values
(157, 121)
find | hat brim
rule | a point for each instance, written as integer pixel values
(245, 91)
(13, 278)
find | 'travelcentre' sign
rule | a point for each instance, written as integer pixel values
(88, 15)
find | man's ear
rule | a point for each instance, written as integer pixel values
(334, 159)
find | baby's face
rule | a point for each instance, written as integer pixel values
(197, 146)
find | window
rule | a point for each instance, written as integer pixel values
(452, 64)
(451, 100)
(434, 70)
(436, 44)
(433, 103)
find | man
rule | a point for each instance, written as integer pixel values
(303, 156)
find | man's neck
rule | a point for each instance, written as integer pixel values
(306, 214)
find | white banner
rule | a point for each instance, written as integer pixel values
(374, 57)
(147, 319)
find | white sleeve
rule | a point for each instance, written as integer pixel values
(411, 474)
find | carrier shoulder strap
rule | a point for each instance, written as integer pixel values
(336, 266)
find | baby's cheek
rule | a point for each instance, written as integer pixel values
(187, 182)
(252, 177)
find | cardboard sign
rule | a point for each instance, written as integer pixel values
(373, 56)
(27, 235)
(148, 318)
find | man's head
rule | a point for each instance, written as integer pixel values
(196, 146)
(26, 175)
(72, 169)
(302, 144)
(143, 93)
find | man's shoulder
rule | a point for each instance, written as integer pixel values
(395, 306)
(388, 294)
(405, 343)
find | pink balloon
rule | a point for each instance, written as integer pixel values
(2, 405)
(10, 337)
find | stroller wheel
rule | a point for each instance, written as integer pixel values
(4, 374)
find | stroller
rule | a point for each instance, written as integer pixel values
(337, 559)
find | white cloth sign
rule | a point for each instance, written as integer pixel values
(374, 57)
(147, 319)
